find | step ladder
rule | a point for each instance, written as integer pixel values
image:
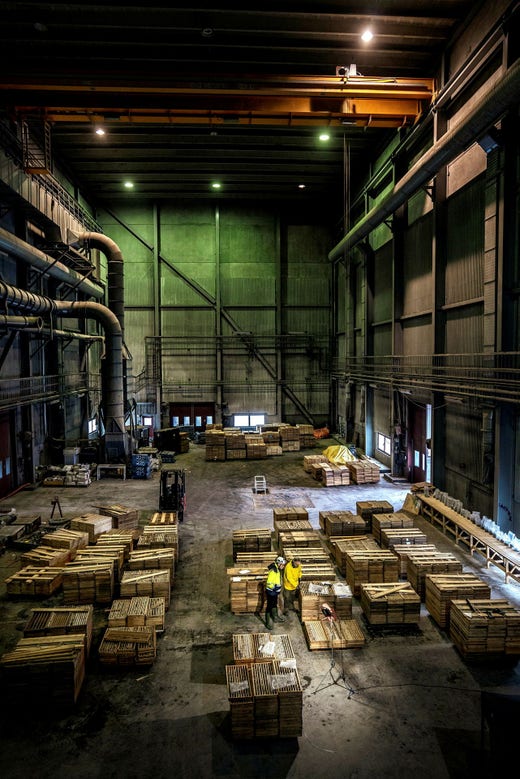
(260, 484)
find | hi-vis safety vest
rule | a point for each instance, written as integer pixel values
(274, 580)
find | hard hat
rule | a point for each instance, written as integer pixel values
(280, 561)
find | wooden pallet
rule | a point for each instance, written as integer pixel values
(89, 582)
(290, 513)
(128, 646)
(368, 509)
(484, 628)
(389, 520)
(45, 555)
(299, 539)
(93, 524)
(240, 696)
(144, 559)
(390, 536)
(36, 581)
(138, 611)
(153, 583)
(310, 555)
(418, 565)
(61, 620)
(163, 518)
(251, 540)
(288, 525)
(441, 589)
(403, 550)
(341, 634)
(65, 539)
(341, 523)
(370, 566)
(124, 518)
(262, 647)
(340, 546)
(389, 604)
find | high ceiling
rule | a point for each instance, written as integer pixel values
(230, 92)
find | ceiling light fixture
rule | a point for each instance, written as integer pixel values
(129, 184)
(100, 131)
(301, 186)
(367, 36)
(324, 137)
(216, 185)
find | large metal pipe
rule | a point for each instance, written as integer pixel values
(21, 322)
(113, 373)
(116, 278)
(500, 98)
(38, 259)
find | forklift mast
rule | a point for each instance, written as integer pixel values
(173, 490)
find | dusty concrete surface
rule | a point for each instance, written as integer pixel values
(408, 703)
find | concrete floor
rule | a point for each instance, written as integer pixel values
(415, 706)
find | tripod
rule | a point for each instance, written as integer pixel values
(340, 679)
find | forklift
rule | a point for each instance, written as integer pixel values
(173, 490)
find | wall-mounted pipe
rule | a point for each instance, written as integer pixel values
(38, 259)
(500, 98)
(33, 323)
(116, 278)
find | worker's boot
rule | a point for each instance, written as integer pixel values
(278, 617)
(268, 621)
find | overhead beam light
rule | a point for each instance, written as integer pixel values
(367, 36)
(324, 137)
(129, 184)
(100, 131)
(216, 185)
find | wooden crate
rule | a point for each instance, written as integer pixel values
(154, 583)
(341, 523)
(65, 539)
(124, 518)
(285, 513)
(388, 604)
(370, 508)
(128, 646)
(364, 472)
(138, 611)
(441, 589)
(313, 459)
(484, 628)
(288, 525)
(61, 621)
(35, 581)
(299, 539)
(156, 537)
(340, 546)
(262, 648)
(390, 536)
(332, 474)
(388, 520)
(45, 555)
(144, 559)
(251, 540)
(240, 696)
(307, 555)
(371, 566)
(246, 590)
(89, 582)
(403, 550)
(418, 565)
(117, 539)
(93, 524)
(286, 682)
(313, 595)
(45, 671)
(339, 634)
(265, 700)
(105, 554)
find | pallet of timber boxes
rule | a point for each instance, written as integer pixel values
(313, 595)
(363, 472)
(124, 518)
(154, 583)
(296, 539)
(418, 565)
(307, 440)
(265, 701)
(332, 475)
(372, 566)
(403, 550)
(66, 539)
(144, 559)
(391, 536)
(442, 588)
(334, 634)
(251, 540)
(255, 447)
(369, 508)
(286, 513)
(249, 559)
(390, 604)
(340, 547)
(121, 539)
(342, 523)
(310, 460)
(46, 555)
(215, 445)
(89, 582)
(61, 621)
(93, 524)
(306, 554)
(289, 438)
(392, 520)
(240, 697)
(271, 437)
(262, 648)
(154, 537)
(277, 700)
(235, 445)
(128, 646)
(485, 628)
(35, 580)
(287, 526)
(139, 611)
(246, 589)
(273, 450)
(45, 671)
(93, 554)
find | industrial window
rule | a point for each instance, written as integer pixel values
(248, 420)
(92, 427)
(384, 443)
(147, 421)
(175, 421)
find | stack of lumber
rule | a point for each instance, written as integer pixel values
(390, 520)
(286, 513)
(485, 628)
(333, 475)
(391, 536)
(95, 554)
(310, 460)
(45, 555)
(215, 445)
(35, 580)
(255, 559)
(132, 612)
(93, 524)
(61, 621)
(255, 448)
(124, 518)
(153, 583)
(128, 646)
(129, 536)
(163, 518)
(45, 670)
(286, 682)
(246, 590)
(370, 567)
(65, 539)
(235, 445)
(89, 582)
(307, 555)
(144, 559)
(156, 537)
(319, 572)
(340, 547)
(441, 589)
(289, 438)
(335, 634)
(263, 647)
(251, 540)
(273, 450)
(403, 550)
(277, 700)
(312, 596)
(121, 540)
(370, 508)
(364, 472)
(288, 525)
(389, 604)
(419, 565)
(306, 433)
(342, 523)
(299, 539)
(240, 696)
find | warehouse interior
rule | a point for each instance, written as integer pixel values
(228, 224)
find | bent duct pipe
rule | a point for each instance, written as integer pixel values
(113, 369)
(116, 279)
(501, 97)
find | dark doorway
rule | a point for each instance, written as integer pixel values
(197, 415)
(418, 452)
(6, 473)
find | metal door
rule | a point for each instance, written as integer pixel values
(196, 414)
(6, 477)
(417, 451)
